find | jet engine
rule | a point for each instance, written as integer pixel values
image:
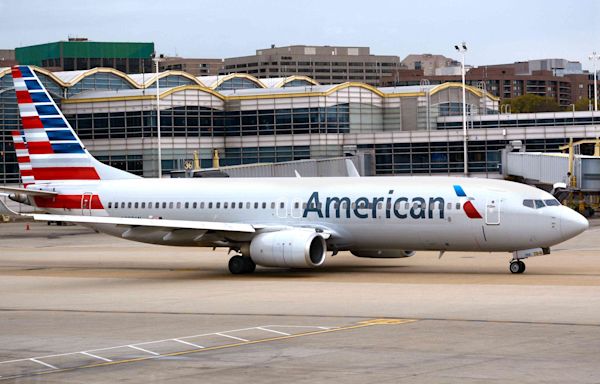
(382, 253)
(293, 248)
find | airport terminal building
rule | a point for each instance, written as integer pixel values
(409, 130)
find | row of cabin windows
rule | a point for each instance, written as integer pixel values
(257, 205)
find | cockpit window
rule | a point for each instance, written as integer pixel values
(552, 202)
(528, 203)
(539, 204)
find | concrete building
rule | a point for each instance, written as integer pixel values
(559, 79)
(196, 67)
(325, 64)
(429, 64)
(7, 58)
(250, 120)
(82, 54)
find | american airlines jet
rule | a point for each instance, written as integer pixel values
(277, 222)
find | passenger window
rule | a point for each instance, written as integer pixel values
(264, 205)
(552, 202)
(233, 205)
(135, 205)
(406, 206)
(186, 205)
(241, 205)
(194, 205)
(255, 205)
(178, 205)
(218, 205)
(539, 204)
(171, 205)
(303, 205)
(282, 205)
(457, 205)
(528, 203)
(224, 205)
(164, 205)
(449, 206)
(272, 205)
(109, 204)
(296, 205)
(210, 205)
(129, 205)
(143, 204)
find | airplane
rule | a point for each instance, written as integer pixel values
(277, 222)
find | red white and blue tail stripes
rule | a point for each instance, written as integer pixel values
(55, 151)
(23, 158)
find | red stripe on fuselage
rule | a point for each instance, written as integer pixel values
(65, 173)
(31, 122)
(23, 159)
(26, 172)
(67, 202)
(39, 148)
(23, 97)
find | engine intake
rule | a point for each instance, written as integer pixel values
(294, 248)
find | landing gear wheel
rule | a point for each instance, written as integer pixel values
(517, 266)
(237, 265)
(249, 265)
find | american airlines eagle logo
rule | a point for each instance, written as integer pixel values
(468, 207)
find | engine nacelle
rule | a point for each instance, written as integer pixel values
(382, 253)
(293, 248)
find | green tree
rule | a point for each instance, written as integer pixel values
(530, 103)
(582, 104)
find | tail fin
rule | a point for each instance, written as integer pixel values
(23, 158)
(55, 151)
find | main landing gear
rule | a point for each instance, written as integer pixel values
(517, 266)
(239, 265)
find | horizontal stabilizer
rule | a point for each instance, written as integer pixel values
(27, 191)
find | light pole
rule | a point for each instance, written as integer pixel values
(462, 49)
(156, 61)
(594, 58)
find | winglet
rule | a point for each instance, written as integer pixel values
(351, 169)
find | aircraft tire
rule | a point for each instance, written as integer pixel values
(237, 265)
(249, 265)
(517, 266)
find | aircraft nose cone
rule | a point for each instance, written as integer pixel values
(572, 224)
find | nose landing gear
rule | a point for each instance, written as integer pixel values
(517, 266)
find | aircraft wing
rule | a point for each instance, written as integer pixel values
(159, 223)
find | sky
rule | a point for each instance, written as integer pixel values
(495, 32)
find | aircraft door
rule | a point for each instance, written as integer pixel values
(492, 211)
(86, 204)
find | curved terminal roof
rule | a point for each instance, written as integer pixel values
(265, 88)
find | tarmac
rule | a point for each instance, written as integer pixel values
(82, 307)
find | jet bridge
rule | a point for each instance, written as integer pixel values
(573, 179)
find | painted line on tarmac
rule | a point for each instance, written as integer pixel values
(320, 331)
